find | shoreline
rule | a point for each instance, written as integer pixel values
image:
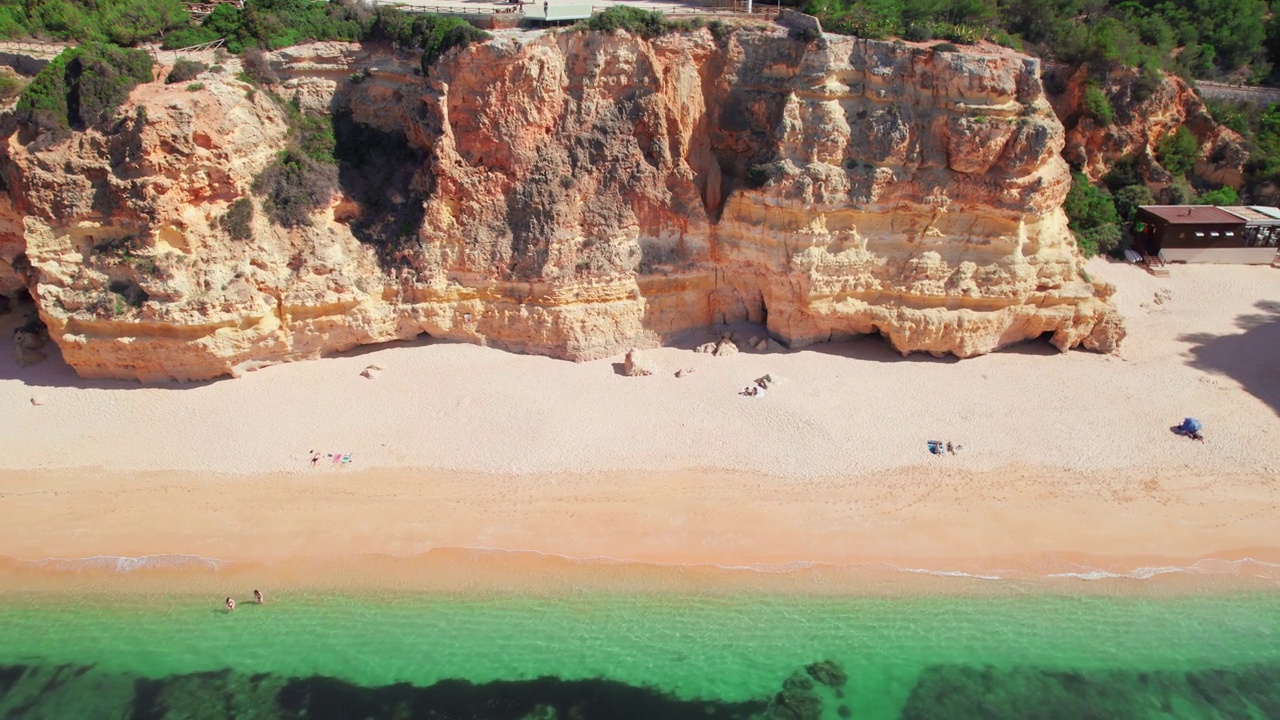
(480, 575)
(374, 531)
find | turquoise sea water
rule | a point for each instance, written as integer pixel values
(589, 655)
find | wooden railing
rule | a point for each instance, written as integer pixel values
(211, 45)
(204, 7)
(34, 48)
(738, 8)
(458, 10)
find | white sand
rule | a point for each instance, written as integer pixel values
(843, 409)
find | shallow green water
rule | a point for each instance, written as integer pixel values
(731, 650)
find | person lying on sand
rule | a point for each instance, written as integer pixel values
(257, 597)
(231, 605)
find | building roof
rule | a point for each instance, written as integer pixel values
(1256, 214)
(1192, 214)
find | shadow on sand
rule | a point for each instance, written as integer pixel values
(53, 371)
(1247, 357)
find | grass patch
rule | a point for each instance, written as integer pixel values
(10, 86)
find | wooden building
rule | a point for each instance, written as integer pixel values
(1205, 234)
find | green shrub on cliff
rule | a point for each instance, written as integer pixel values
(1178, 151)
(446, 33)
(237, 221)
(294, 187)
(1225, 195)
(1127, 200)
(1092, 217)
(83, 85)
(184, 70)
(1097, 105)
(302, 178)
(645, 23)
(273, 24)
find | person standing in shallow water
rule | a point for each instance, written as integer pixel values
(258, 598)
(231, 604)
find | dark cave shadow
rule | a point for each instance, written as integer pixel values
(875, 348)
(422, 340)
(868, 347)
(379, 171)
(1249, 357)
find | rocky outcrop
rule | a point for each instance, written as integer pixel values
(1141, 120)
(571, 194)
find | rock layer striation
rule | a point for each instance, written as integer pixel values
(570, 194)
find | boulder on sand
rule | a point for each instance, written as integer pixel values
(636, 365)
(726, 346)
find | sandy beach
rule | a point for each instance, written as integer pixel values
(1068, 466)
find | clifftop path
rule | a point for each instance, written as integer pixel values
(569, 194)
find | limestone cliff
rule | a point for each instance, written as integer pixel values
(569, 194)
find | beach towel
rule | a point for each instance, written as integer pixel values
(346, 458)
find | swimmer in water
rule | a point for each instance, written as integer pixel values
(257, 597)
(231, 605)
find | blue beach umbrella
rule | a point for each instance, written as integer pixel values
(1190, 425)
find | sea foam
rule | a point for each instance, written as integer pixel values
(125, 564)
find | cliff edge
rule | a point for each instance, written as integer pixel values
(569, 194)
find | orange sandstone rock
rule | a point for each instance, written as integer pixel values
(579, 194)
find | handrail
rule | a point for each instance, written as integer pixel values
(32, 47)
(518, 8)
(455, 10)
(211, 45)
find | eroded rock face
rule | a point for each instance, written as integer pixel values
(1141, 120)
(572, 195)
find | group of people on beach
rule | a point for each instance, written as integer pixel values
(257, 598)
(937, 447)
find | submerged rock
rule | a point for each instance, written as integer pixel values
(827, 672)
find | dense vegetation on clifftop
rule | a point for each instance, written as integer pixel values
(122, 22)
(82, 85)
(273, 24)
(1196, 38)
